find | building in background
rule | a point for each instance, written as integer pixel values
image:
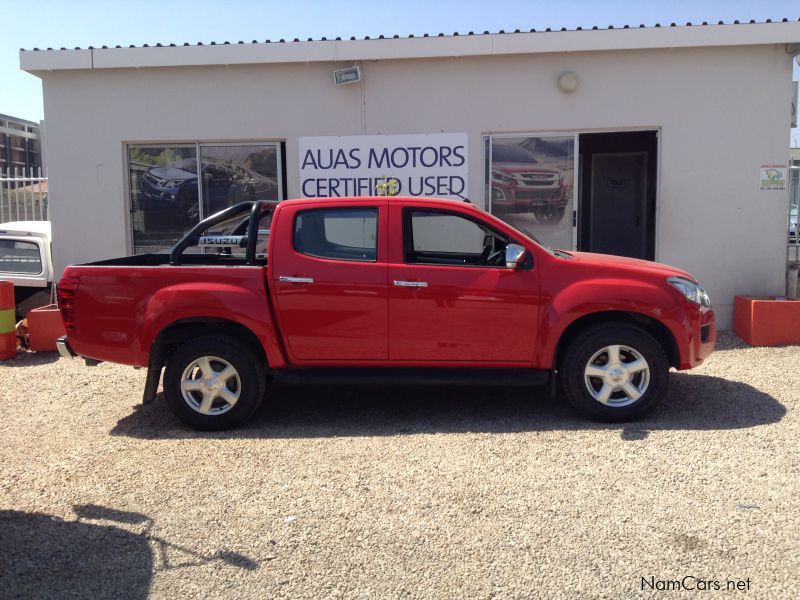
(20, 145)
(659, 143)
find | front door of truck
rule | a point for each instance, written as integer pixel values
(451, 297)
(328, 275)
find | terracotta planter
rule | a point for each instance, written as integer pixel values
(44, 328)
(767, 320)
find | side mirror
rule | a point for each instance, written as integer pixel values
(514, 256)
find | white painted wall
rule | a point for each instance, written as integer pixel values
(721, 112)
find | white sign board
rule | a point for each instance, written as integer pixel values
(432, 164)
(773, 177)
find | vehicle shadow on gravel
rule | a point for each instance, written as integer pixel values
(694, 402)
(42, 556)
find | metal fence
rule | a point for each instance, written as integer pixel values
(23, 195)
(793, 247)
(794, 207)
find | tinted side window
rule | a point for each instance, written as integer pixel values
(337, 233)
(438, 232)
(440, 238)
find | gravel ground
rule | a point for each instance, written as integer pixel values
(387, 492)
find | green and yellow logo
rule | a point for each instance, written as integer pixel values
(389, 186)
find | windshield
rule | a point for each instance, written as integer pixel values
(511, 153)
(187, 164)
(534, 239)
(20, 257)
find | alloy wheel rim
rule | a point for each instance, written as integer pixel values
(617, 375)
(210, 385)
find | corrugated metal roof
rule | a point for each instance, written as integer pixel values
(411, 36)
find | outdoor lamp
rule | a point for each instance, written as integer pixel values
(568, 82)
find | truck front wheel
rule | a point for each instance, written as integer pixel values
(549, 214)
(614, 372)
(214, 382)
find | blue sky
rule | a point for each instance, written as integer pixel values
(51, 23)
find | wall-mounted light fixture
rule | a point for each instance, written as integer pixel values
(347, 75)
(568, 82)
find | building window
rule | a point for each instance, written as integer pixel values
(173, 187)
(530, 182)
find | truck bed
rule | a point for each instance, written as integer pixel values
(188, 259)
(124, 302)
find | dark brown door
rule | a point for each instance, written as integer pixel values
(619, 184)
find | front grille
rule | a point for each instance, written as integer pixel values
(534, 179)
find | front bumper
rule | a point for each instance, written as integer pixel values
(701, 338)
(526, 198)
(529, 198)
(708, 335)
(64, 348)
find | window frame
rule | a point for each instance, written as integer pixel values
(337, 208)
(408, 236)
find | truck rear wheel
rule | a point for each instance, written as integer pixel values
(614, 372)
(214, 382)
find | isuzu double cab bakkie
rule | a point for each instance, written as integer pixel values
(377, 289)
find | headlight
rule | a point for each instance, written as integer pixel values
(691, 291)
(504, 177)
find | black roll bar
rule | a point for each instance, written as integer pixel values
(252, 233)
(193, 236)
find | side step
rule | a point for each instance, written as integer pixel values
(412, 376)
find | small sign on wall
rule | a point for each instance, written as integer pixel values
(773, 178)
(617, 182)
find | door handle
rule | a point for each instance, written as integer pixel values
(417, 284)
(296, 279)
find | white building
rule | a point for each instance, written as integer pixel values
(655, 143)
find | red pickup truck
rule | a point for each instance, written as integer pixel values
(384, 288)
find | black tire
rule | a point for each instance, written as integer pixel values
(249, 382)
(575, 381)
(549, 214)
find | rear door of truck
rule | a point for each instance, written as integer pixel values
(328, 276)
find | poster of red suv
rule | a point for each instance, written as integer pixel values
(532, 183)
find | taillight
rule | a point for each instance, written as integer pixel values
(66, 301)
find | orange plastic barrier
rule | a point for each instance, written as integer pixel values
(767, 321)
(8, 332)
(45, 327)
